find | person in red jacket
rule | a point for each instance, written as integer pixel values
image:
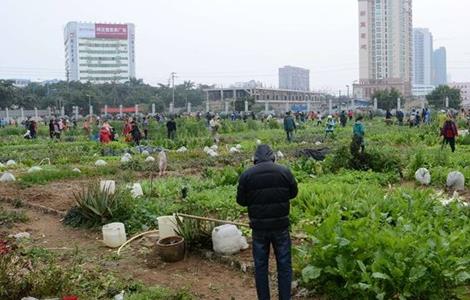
(449, 131)
(105, 135)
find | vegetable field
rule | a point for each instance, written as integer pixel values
(367, 229)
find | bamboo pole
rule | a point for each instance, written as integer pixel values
(212, 220)
(296, 236)
(135, 237)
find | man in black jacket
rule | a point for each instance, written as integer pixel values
(171, 128)
(266, 189)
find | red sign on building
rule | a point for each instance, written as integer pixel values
(111, 31)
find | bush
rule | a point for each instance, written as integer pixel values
(377, 160)
(94, 207)
(197, 234)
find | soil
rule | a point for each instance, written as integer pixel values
(207, 278)
(204, 278)
(57, 195)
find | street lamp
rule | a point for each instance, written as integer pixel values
(347, 86)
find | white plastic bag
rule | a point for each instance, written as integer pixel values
(150, 159)
(136, 190)
(76, 170)
(11, 162)
(456, 181)
(423, 176)
(162, 163)
(228, 240)
(279, 155)
(145, 153)
(34, 169)
(182, 149)
(7, 177)
(100, 163)
(108, 186)
(234, 150)
(125, 159)
(212, 153)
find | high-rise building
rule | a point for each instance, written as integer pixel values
(294, 78)
(385, 46)
(422, 62)
(422, 56)
(99, 52)
(439, 73)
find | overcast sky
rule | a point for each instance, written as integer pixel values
(221, 41)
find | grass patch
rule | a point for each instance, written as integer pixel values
(10, 217)
(47, 175)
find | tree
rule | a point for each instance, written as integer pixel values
(76, 93)
(437, 98)
(8, 93)
(387, 99)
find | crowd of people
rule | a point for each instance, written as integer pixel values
(136, 129)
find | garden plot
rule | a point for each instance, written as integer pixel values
(204, 279)
(354, 213)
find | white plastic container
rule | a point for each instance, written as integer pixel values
(114, 234)
(167, 226)
(108, 186)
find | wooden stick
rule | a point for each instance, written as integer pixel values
(212, 220)
(296, 236)
(135, 237)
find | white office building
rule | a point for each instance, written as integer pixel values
(99, 52)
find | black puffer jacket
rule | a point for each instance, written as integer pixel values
(266, 190)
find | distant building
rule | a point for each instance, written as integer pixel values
(99, 52)
(439, 72)
(385, 46)
(247, 84)
(50, 81)
(294, 78)
(422, 56)
(464, 92)
(21, 83)
(422, 90)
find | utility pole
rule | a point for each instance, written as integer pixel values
(173, 74)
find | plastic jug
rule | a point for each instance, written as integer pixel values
(114, 234)
(167, 226)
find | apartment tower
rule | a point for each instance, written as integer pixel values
(385, 46)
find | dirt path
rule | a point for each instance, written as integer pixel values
(204, 278)
(57, 195)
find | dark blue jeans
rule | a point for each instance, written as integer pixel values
(280, 240)
(290, 135)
